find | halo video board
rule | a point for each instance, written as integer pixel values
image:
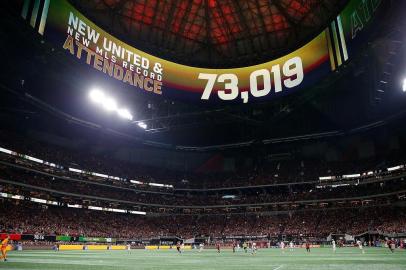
(70, 30)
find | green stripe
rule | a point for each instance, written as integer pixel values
(34, 13)
(342, 38)
(44, 17)
(24, 12)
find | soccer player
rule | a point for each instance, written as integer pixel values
(391, 245)
(282, 246)
(218, 247)
(245, 246)
(333, 242)
(291, 246)
(178, 247)
(359, 243)
(201, 245)
(253, 248)
(234, 246)
(4, 245)
(307, 246)
(128, 248)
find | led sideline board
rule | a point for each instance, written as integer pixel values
(68, 29)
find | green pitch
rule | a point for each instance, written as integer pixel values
(265, 259)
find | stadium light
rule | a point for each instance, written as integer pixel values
(109, 104)
(124, 113)
(404, 85)
(142, 125)
(97, 96)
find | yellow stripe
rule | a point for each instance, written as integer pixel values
(97, 247)
(118, 247)
(336, 44)
(91, 247)
(70, 247)
(330, 50)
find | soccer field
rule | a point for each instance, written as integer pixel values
(272, 259)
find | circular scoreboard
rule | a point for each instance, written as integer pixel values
(70, 30)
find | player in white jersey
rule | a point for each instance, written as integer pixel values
(291, 246)
(359, 243)
(128, 248)
(201, 245)
(253, 248)
(333, 242)
(282, 246)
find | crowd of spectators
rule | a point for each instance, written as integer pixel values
(265, 195)
(243, 197)
(22, 177)
(29, 218)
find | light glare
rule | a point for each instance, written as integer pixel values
(97, 96)
(142, 125)
(110, 104)
(404, 85)
(124, 113)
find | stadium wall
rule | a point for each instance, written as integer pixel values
(91, 247)
(164, 247)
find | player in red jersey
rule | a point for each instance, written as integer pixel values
(391, 245)
(178, 247)
(218, 247)
(307, 246)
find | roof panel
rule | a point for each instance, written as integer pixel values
(222, 31)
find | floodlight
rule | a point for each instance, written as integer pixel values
(404, 85)
(142, 125)
(109, 104)
(124, 113)
(96, 96)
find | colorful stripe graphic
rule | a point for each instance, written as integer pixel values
(67, 28)
(337, 46)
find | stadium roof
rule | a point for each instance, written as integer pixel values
(45, 76)
(213, 33)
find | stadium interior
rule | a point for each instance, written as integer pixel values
(324, 163)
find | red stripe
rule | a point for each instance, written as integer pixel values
(12, 236)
